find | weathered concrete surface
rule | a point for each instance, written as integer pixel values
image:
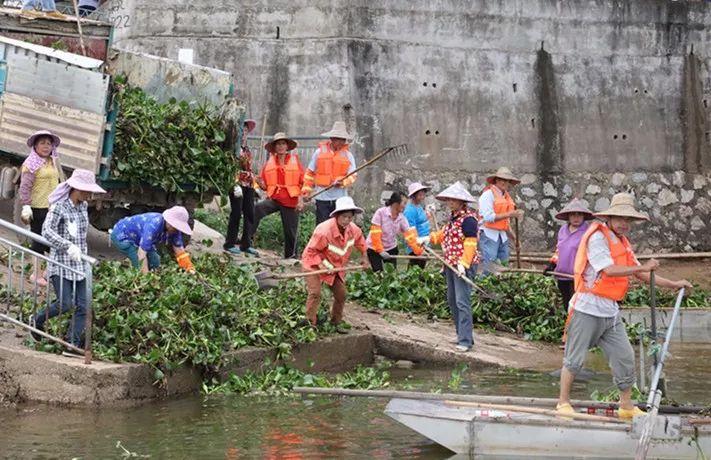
(411, 337)
(555, 88)
(693, 325)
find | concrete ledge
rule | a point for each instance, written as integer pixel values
(693, 325)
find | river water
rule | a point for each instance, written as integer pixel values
(232, 427)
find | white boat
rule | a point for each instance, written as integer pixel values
(478, 432)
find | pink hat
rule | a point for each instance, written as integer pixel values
(178, 217)
(575, 205)
(84, 180)
(251, 124)
(55, 139)
(416, 187)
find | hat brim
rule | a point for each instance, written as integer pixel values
(492, 179)
(290, 144)
(337, 135)
(354, 209)
(55, 139)
(563, 215)
(91, 188)
(445, 198)
(179, 225)
(627, 214)
(251, 124)
(424, 187)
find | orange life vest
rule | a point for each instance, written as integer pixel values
(330, 165)
(292, 175)
(502, 204)
(610, 287)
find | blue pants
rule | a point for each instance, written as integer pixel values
(47, 5)
(130, 250)
(492, 250)
(459, 299)
(69, 294)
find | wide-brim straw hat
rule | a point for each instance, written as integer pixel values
(575, 205)
(456, 191)
(503, 173)
(55, 139)
(84, 180)
(250, 124)
(178, 217)
(416, 187)
(345, 203)
(622, 205)
(339, 131)
(291, 144)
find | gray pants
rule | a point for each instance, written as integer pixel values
(289, 221)
(586, 331)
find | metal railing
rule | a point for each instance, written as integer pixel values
(26, 295)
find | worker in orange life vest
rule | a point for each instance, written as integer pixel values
(603, 265)
(282, 177)
(496, 209)
(329, 165)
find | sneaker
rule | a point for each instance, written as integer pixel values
(30, 14)
(342, 328)
(629, 414)
(234, 250)
(41, 282)
(252, 252)
(564, 409)
(55, 15)
(462, 348)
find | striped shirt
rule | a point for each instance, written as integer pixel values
(66, 224)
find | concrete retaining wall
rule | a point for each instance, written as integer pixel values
(554, 88)
(693, 325)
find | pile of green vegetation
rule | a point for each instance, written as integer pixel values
(696, 298)
(529, 305)
(169, 318)
(175, 146)
(280, 380)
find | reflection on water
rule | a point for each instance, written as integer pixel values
(231, 427)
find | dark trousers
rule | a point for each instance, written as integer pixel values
(242, 206)
(289, 222)
(38, 217)
(420, 263)
(376, 262)
(567, 289)
(324, 210)
(69, 294)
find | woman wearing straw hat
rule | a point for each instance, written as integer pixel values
(417, 216)
(65, 228)
(41, 173)
(576, 215)
(242, 201)
(137, 237)
(459, 243)
(330, 248)
(496, 209)
(603, 265)
(282, 177)
(329, 164)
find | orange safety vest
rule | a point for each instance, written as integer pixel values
(609, 287)
(292, 176)
(330, 165)
(502, 204)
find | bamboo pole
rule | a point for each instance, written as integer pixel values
(536, 410)
(516, 400)
(81, 34)
(671, 256)
(408, 257)
(538, 272)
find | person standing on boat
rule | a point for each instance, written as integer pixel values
(459, 243)
(497, 208)
(386, 224)
(330, 248)
(417, 216)
(577, 217)
(603, 265)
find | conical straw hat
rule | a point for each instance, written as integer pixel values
(503, 173)
(575, 205)
(456, 191)
(622, 205)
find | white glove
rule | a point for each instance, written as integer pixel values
(461, 270)
(431, 208)
(423, 240)
(385, 255)
(26, 213)
(237, 191)
(74, 253)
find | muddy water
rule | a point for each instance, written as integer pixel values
(231, 427)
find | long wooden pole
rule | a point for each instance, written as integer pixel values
(463, 278)
(536, 410)
(317, 272)
(81, 35)
(518, 242)
(516, 400)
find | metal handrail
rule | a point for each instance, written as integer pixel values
(88, 263)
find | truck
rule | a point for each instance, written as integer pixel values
(54, 77)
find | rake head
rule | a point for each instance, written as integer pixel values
(265, 280)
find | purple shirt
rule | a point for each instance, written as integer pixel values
(567, 247)
(391, 227)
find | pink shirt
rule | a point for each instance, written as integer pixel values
(391, 227)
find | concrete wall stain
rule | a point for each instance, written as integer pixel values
(549, 150)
